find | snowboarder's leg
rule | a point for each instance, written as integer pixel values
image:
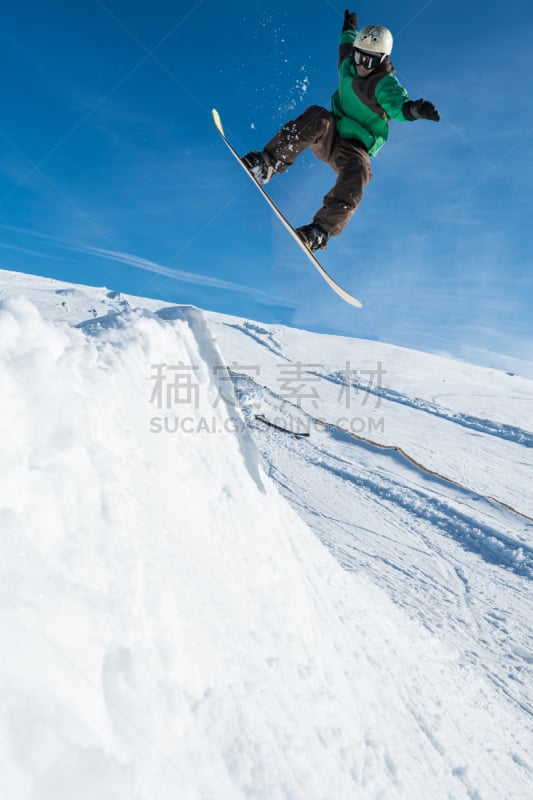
(351, 162)
(315, 127)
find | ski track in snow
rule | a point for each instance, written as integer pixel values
(509, 432)
(475, 440)
(489, 542)
(260, 335)
(404, 537)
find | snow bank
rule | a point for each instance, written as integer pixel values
(170, 627)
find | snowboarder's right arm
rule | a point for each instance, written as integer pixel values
(348, 34)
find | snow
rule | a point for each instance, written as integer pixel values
(196, 605)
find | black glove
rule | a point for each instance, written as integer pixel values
(420, 109)
(350, 21)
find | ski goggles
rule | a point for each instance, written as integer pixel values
(367, 60)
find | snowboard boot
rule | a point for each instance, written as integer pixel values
(260, 165)
(313, 236)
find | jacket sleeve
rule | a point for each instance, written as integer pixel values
(346, 45)
(391, 96)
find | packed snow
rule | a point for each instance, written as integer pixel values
(196, 604)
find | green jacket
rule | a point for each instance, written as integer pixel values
(362, 107)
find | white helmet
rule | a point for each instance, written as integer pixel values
(374, 39)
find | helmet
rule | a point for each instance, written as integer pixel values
(374, 39)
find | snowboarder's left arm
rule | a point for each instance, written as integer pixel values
(394, 100)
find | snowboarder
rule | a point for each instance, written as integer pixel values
(367, 97)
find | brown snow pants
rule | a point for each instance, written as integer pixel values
(316, 129)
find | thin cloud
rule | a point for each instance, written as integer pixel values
(29, 252)
(147, 265)
(183, 276)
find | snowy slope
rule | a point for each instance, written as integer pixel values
(172, 623)
(451, 417)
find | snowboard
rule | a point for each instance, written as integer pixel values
(348, 298)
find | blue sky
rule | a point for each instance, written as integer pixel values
(112, 173)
